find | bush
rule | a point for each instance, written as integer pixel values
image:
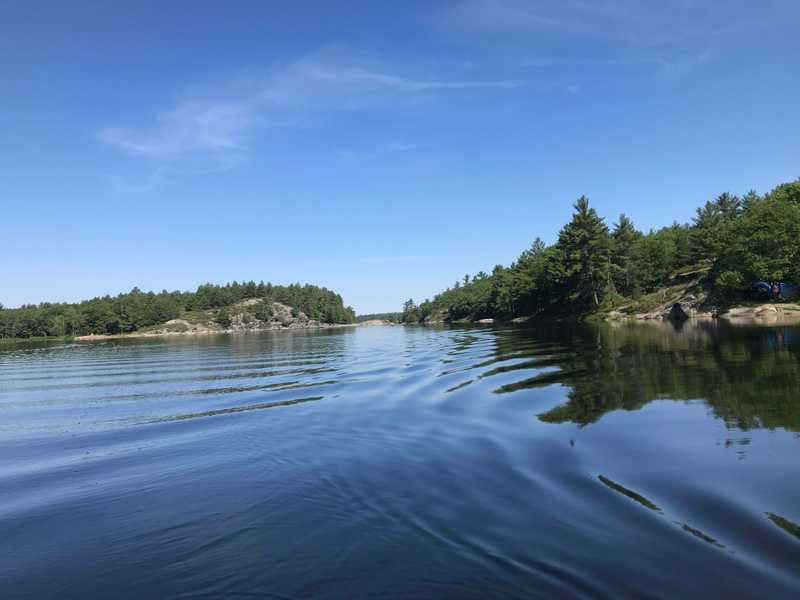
(730, 283)
(223, 318)
(264, 311)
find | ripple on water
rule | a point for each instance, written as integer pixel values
(416, 462)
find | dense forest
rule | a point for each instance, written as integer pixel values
(132, 311)
(732, 242)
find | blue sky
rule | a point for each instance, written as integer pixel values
(382, 149)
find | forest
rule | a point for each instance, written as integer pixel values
(732, 242)
(134, 310)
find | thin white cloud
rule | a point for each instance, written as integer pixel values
(190, 127)
(633, 22)
(668, 63)
(219, 128)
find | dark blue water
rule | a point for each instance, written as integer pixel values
(630, 461)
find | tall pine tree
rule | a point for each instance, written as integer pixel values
(623, 265)
(586, 249)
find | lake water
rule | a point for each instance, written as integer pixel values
(622, 461)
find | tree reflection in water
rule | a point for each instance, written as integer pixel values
(748, 375)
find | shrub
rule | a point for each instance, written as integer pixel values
(223, 318)
(730, 282)
(264, 311)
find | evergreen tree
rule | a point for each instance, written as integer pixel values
(763, 243)
(410, 312)
(586, 247)
(709, 224)
(623, 264)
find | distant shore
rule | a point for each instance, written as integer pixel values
(753, 314)
(161, 334)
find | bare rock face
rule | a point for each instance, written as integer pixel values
(766, 314)
(692, 303)
(437, 317)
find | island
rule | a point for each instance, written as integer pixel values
(234, 307)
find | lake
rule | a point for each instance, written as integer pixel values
(613, 461)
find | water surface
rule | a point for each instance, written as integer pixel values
(627, 461)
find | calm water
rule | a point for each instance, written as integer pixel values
(634, 461)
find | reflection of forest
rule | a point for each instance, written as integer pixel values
(749, 376)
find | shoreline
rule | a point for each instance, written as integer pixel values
(765, 314)
(99, 337)
(762, 315)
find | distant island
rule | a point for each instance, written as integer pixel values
(735, 248)
(389, 317)
(210, 309)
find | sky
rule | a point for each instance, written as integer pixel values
(381, 149)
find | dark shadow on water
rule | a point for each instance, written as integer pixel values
(236, 409)
(636, 497)
(629, 493)
(788, 526)
(700, 535)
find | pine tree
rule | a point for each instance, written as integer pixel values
(586, 248)
(709, 223)
(623, 266)
(410, 312)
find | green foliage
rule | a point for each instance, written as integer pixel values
(223, 318)
(590, 268)
(730, 282)
(586, 248)
(137, 310)
(263, 311)
(764, 242)
(411, 313)
(709, 224)
(787, 193)
(624, 241)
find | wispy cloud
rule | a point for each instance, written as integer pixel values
(642, 24)
(668, 63)
(193, 126)
(220, 128)
(672, 39)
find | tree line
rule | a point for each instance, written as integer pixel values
(137, 309)
(392, 317)
(733, 240)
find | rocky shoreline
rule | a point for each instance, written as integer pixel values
(765, 314)
(162, 333)
(244, 318)
(693, 302)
